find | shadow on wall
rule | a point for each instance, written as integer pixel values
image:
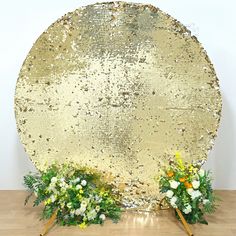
(221, 158)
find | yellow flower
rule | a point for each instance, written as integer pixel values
(179, 160)
(177, 155)
(81, 191)
(102, 192)
(48, 201)
(79, 196)
(190, 168)
(83, 225)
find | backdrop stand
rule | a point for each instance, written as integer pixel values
(49, 224)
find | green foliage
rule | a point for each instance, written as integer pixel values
(189, 189)
(78, 195)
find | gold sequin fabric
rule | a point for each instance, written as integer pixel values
(118, 87)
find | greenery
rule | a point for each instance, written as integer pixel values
(77, 195)
(188, 188)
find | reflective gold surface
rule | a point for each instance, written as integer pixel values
(118, 87)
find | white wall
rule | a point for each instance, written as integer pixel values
(21, 22)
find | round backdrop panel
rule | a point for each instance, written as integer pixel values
(118, 87)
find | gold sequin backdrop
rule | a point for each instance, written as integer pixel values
(118, 87)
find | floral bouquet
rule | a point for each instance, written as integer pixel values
(189, 189)
(73, 195)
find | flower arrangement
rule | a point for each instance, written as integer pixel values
(76, 195)
(189, 189)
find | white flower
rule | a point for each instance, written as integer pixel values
(84, 203)
(189, 191)
(201, 172)
(63, 184)
(195, 194)
(83, 209)
(98, 199)
(174, 184)
(69, 205)
(205, 201)
(92, 214)
(76, 180)
(97, 208)
(62, 204)
(72, 212)
(173, 201)
(102, 217)
(78, 212)
(63, 189)
(53, 179)
(187, 209)
(52, 188)
(196, 184)
(83, 182)
(169, 193)
(78, 186)
(53, 198)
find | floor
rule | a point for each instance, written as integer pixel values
(19, 220)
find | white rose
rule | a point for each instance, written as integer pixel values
(201, 172)
(187, 209)
(169, 193)
(83, 182)
(205, 201)
(196, 184)
(173, 201)
(53, 179)
(76, 180)
(78, 186)
(195, 194)
(174, 184)
(102, 217)
(189, 191)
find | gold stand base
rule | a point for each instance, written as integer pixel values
(184, 222)
(161, 206)
(49, 224)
